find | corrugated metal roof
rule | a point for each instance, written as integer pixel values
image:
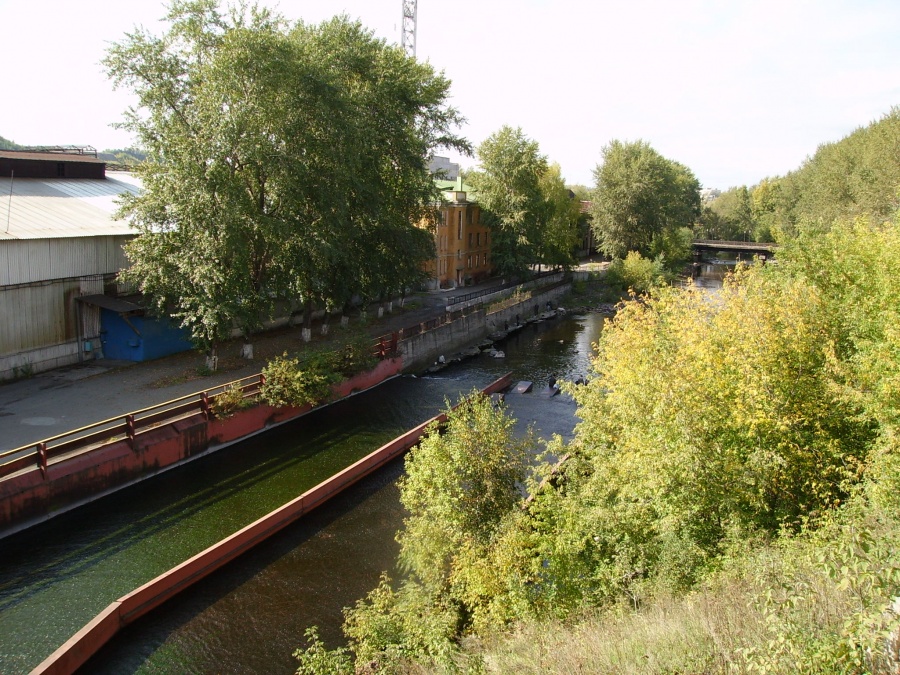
(48, 208)
(50, 156)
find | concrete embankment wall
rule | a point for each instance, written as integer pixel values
(127, 609)
(31, 496)
(420, 351)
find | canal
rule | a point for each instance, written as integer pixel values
(249, 616)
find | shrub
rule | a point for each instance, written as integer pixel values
(636, 272)
(287, 384)
(356, 356)
(229, 401)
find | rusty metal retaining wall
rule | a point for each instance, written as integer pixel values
(127, 609)
(181, 431)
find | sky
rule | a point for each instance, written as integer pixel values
(735, 90)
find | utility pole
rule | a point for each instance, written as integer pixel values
(408, 28)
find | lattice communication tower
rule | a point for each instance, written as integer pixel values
(408, 29)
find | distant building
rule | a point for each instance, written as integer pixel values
(443, 169)
(461, 239)
(709, 194)
(62, 162)
(60, 250)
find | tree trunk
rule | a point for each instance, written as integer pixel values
(212, 357)
(306, 331)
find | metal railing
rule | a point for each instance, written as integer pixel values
(129, 426)
(456, 299)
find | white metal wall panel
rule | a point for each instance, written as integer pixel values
(31, 260)
(38, 262)
(4, 264)
(37, 316)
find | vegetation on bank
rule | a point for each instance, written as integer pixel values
(300, 380)
(854, 176)
(729, 502)
(288, 381)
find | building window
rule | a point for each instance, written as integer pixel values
(470, 240)
(459, 254)
(469, 262)
(469, 216)
(459, 227)
(479, 239)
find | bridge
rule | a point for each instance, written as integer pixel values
(750, 248)
(744, 250)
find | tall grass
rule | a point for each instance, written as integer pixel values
(820, 604)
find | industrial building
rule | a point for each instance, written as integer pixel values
(60, 249)
(461, 239)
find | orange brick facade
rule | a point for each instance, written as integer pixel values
(462, 243)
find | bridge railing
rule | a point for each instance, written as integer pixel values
(743, 245)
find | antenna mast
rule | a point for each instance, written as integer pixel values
(408, 28)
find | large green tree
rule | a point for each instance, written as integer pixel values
(277, 155)
(731, 216)
(559, 227)
(509, 192)
(639, 196)
(532, 215)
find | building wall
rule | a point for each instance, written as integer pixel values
(25, 261)
(42, 326)
(463, 245)
(53, 166)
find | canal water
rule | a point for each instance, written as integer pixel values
(249, 616)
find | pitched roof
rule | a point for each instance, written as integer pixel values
(456, 186)
(49, 208)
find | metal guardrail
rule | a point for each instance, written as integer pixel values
(129, 426)
(456, 299)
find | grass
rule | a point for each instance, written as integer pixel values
(807, 605)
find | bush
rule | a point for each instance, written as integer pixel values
(356, 356)
(229, 401)
(637, 273)
(287, 384)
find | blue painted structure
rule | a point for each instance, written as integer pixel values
(139, 338)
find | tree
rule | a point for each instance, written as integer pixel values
(735, 220)
(639, 195)
(559, 230)
(509, 192)
(460, 488)
(275, 157)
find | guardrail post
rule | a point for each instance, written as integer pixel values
(42, 458)
(204, 404)
(130, 430)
